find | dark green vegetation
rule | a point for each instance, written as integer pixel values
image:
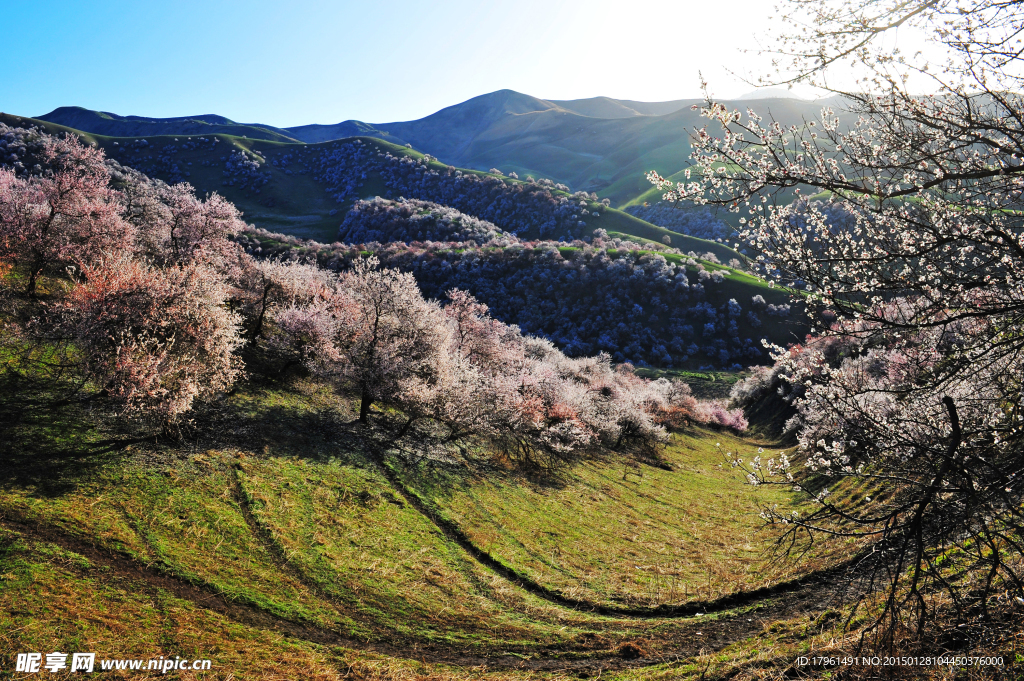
(291, 201)
(628, 303)
(600, 144)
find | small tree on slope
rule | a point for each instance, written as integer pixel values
(377, 333)
(155, 339)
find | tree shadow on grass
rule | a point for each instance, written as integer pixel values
(279, 419)
(50, 440)
(442, 471)
(289, 419)
(53, 439)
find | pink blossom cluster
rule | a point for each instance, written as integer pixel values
(138, 281)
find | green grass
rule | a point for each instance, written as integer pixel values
(614, 534)
(333, 544)
(706, 385)
(647, 193)
(276, 504)
(52, 599)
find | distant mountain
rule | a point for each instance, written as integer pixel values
(104, 123)
(599, 144)
(606, 107)
(316, 133)
(770, 93)
(305, 190)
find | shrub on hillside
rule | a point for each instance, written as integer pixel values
(161, 159)
(155, 339)
(411, 220)
(141, 288)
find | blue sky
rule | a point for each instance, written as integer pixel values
(291, 63)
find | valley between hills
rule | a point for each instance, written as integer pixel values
(429, 400)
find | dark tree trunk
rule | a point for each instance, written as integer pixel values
(257, 328)
(405, 428)
(31, 290)
(364, 406)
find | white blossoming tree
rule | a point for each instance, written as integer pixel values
(921, 412)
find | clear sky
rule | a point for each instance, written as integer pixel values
(298, 62)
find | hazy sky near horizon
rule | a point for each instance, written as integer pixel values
(301, 62)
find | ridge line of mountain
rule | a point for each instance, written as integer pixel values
(600, 144)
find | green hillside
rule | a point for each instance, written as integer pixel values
(651, 194)
(294, 203)
(280, 541)
(601, 144)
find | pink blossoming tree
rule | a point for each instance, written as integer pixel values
(156, 339)
(67, 217)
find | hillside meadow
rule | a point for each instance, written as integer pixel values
(303, 457)
(281, 541)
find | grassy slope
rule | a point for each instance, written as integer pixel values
(288, 515)
(360, 561)
(650, 194)
(612, 533)
(116, 616)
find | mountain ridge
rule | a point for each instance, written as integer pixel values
(115, 125)
(597, 144)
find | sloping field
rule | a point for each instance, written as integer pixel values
(622, 535)
(276, 536)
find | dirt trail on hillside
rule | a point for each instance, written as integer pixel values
(591, 655)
